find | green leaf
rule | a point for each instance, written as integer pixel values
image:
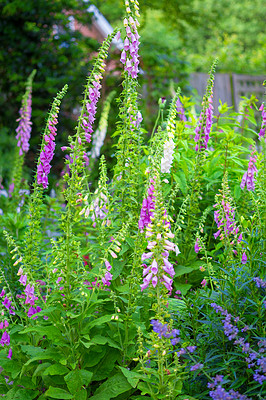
(104, 368)
(86, 376)
(181, 270)
(21, 394)
(183, 287)
(57, 393)
(81, 395)
(39, 371)
(73, 381)
(51, 332)
(111, 388)
(56, 369)
(176, 304)
(180, 178)
(132, 377)
(99, 321)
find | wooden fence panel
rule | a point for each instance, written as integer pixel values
(229, 91)
(246, 85)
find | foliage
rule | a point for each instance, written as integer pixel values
(151, 284)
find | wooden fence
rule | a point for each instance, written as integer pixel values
(229, 88)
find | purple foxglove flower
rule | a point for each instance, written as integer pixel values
(167, 282)
(146, 270)
(203, 283)
(9, 354)
(5, 339)
(126, 44)
(244, 258)
(23, 280)
(263, 123)
(108, 265)
(24, 128)
(217, 234)
(196, 247)
(145, 256)
(168, 267)
(154, 267)
(248, 177)
(154, 281)
(123, 57)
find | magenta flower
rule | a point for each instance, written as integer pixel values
(23, 280)
(88, 117)
(180, 110)
(129, 55)
(203, 283)
(196, 247)
(147, 209)
(106, 280)
(263, 123)
(244, 258)
(9, 354)
(47, 153)
(24, 127)
(248, 177)
(48, 145)
(5, 339)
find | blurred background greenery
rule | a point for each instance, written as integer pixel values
(177, 38)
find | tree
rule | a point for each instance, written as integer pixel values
(38, 35)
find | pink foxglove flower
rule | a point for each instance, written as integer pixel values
(248, 177)
(263, 123)
(156, 267)
(129, 55)
(24, 128)
(244, 258)
(48, 145)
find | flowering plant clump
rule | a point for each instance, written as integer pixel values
(97, 301)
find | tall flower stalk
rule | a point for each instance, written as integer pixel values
(76, 179)
(33, 235)
(23, 136)
(126, 176)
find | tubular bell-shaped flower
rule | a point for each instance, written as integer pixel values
(48, 144)
(157, 268)
(169, 145)
(24, 127)
(203, 128)
(129, 55)
(263, 122)
(224, 216)
(248, 179)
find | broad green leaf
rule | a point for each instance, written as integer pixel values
(57, 393)
(81, 395)
(132, 377)
(51, 332)
(183, 287)
(104, 368)
(56, 369)
(181, 270)
(73, 381)
(39, 371)
(85, 376)
(21, 394)
(111, 388)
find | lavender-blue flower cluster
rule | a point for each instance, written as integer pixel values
(163, 330)
(253, 357)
